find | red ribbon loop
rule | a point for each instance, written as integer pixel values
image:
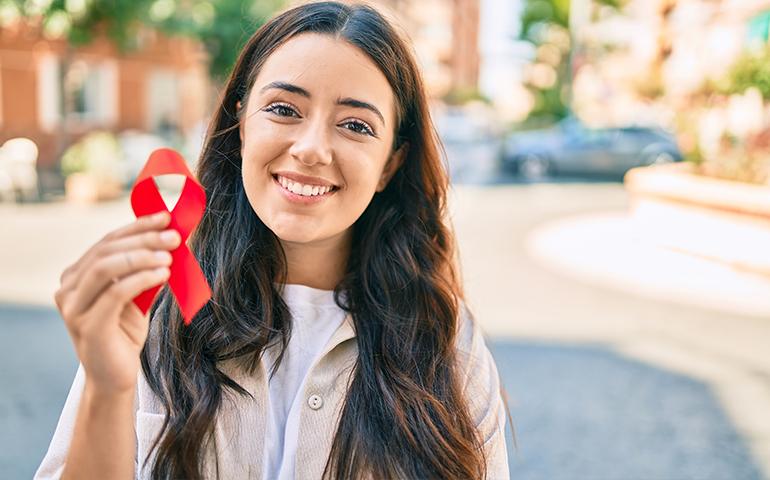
(187, 281)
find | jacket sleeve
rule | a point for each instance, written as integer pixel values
(52, 465)
(53, 462)
(482, 390)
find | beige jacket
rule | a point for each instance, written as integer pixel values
(240, 425)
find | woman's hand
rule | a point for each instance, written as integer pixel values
(95, 300)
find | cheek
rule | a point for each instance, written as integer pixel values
(260, 140)
(250, 173)
(361, 174)
(360, 164)
(260, 146)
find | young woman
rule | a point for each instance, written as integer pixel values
(336, 343)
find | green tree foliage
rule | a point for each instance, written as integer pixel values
(546, 23)
(221, 25)
(537, 12)
(752, 69)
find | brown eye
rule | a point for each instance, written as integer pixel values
(359, 127)
(281, 110)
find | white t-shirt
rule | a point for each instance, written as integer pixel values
(315, 317)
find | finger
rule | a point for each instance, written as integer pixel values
(115, 266)
(111, 302)
(66, 284)
(134, 323)
(151, 240)
(142, 224)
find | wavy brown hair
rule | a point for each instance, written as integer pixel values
(404, 414)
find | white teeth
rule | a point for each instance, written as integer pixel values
(304, 190)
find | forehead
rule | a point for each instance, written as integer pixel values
(329, 69)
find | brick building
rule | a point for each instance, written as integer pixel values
(162, 85)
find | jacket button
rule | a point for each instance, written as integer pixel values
(315, 402)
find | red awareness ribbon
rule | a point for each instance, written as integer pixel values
(187, 281)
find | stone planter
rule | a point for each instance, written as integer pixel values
(721, 220)
(86, 188)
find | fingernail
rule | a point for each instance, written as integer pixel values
(163, 256)
(160, 216)
(169, 235)
(163, 271)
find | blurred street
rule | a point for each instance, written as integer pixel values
(607, 377)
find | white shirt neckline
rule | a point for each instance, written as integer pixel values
(315, 318)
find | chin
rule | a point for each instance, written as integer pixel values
(295, 235)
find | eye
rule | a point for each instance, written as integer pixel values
(281, 109)
(359, 127)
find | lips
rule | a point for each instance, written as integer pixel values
(305, 195)
(302, 188)
(304, 179)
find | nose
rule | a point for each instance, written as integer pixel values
(312, 145)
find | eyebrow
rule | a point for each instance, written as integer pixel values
(350, 102)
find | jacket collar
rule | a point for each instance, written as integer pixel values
(346, 331)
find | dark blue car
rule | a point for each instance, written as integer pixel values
(570, 147)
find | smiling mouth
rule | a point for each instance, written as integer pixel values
(304, 190)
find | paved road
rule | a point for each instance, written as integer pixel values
(583, 412)
(577, 409)
(37, 365)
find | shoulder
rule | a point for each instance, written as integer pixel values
(481, 387)
(471, 345)
(476, 366)
(466, 326)
(476, 369)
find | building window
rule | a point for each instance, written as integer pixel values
(163, 110)
(91, 92)
(89, 89)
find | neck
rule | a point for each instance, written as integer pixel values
(319, 264)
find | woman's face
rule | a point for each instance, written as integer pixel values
(320, 115)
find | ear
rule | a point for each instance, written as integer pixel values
(240, 124)
(394, 162)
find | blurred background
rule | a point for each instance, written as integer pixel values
(610, 191)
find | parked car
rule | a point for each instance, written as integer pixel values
(471, 142)
(572, 147)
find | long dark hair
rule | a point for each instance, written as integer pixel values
(404, 415)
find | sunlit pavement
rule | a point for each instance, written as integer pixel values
(610, 373)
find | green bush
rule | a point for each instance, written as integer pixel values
(97, 154)
(752, 69)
